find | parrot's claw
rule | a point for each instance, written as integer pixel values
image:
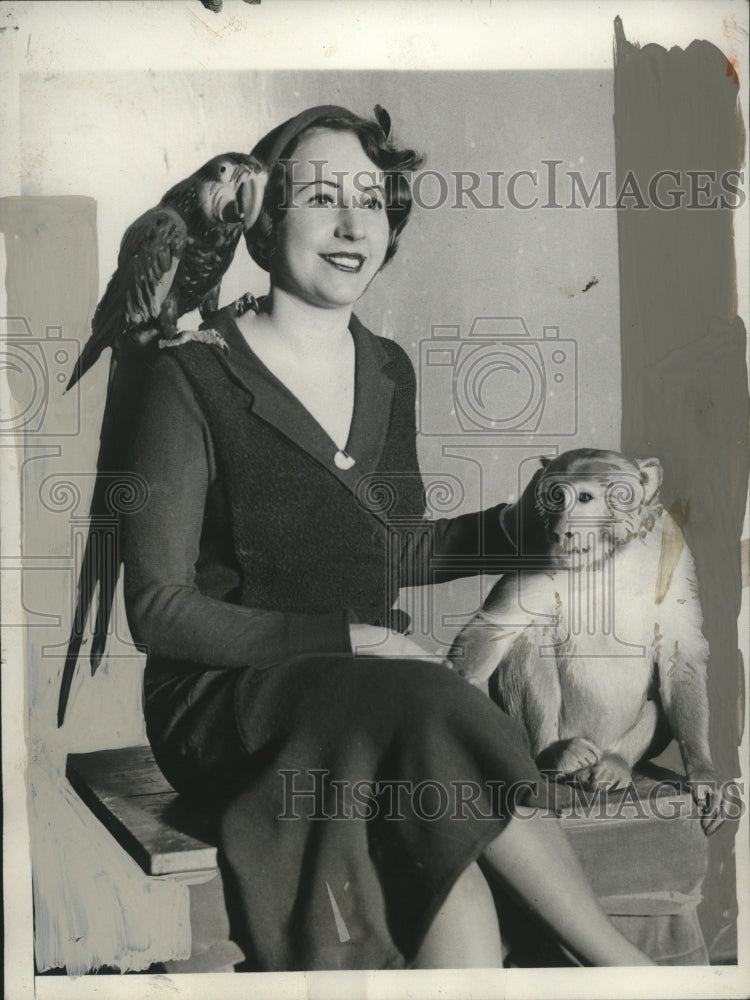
(244, 304)
(197, 336)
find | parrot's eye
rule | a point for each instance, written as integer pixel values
(223, 168)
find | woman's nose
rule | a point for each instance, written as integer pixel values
(350, 224)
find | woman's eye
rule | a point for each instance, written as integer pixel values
(321, 198)
(585, 497)
(372, 201)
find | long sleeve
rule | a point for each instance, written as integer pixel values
(161, 546)
(448, 548)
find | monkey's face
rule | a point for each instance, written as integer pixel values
(590, 503)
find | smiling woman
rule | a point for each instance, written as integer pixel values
(281, 688)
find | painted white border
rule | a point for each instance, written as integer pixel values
(57, 36)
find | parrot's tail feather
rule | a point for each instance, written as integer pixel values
(77, 372)
(109, 572)
(87, 581)
(97, 651)
(100, 565)
(89, 356)
(71, 659)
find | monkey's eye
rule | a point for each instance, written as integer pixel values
(585, 497)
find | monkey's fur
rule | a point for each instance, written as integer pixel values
(601, 657)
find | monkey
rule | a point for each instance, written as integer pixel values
(601, 654)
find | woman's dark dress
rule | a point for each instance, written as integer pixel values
(350, 792)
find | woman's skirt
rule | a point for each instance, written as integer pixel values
(349, 794)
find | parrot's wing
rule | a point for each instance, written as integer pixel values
(150, 252)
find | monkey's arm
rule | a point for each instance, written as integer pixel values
(501, 649)
(682, 682)
(527, 686)
(484, 641)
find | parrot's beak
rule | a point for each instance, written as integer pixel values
(241, 201)
(250, 198)
(244, 207)
(232, 211)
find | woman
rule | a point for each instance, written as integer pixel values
(285, 508)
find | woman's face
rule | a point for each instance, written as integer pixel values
(333, 236)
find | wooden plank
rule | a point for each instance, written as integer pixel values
(126, 791)
(118, 771)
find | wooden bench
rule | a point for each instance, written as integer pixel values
(646, 869)
(167, 836)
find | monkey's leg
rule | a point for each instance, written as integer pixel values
(614, 767)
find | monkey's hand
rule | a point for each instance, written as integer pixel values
(568, 756)
(707, 788)
(610, 771)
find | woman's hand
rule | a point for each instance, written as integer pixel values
(373, 640)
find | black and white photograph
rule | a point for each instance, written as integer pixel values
(375, 446)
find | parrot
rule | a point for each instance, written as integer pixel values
(173, 257)
(171, 261)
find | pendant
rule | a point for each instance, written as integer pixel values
(342, 460)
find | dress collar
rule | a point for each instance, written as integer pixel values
(272, 402)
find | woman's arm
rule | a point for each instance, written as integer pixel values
(449, 548)
(161, 547)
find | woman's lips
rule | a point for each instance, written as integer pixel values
(349, 262)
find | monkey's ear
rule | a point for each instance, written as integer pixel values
(651, 476)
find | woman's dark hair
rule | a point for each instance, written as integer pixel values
(374, 137)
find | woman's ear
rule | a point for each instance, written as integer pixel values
(651, 476)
